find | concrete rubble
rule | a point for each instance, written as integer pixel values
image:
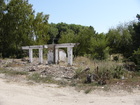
(56, 71)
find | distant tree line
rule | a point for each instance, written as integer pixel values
(21, 26)
(124, 39)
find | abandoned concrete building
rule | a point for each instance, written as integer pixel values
(55, 53)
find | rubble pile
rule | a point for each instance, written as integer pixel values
(56, 71)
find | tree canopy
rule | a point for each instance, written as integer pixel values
(20, 26)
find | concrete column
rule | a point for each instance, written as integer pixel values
(40, 55)
(30, 55)
(56, 55)
(50, 57)
(70, 55)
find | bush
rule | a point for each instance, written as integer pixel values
(118, 72)
(136, 58)
(99, 49)
(116, 58)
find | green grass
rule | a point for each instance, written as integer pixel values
(37, 78)
(12, 72)
(137, 74)
(88, 90)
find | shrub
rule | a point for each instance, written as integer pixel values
(116, 58)
(118, 72)
(136, 58)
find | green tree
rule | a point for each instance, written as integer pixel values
(67, 37)
(62, 27)
(58, 31)
(76, 28)
(21, 27)
(125, 45)
(2, 8)
(17, 26)
(136, 58)
(138, 16)
(98, 47)
(113, 38)
(120, 40)
(136, 34)
(40, 25)
(52, 32)
(83, 38)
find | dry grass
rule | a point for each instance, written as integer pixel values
(109, 73)
(83, 62)
(114, 69)
(12, 72)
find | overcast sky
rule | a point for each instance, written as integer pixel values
(101, 14)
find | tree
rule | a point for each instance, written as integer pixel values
(113, 38)
(136, 34)
(52, 32)
(67, 37)
(40, 25)
(17, 24)
(83, 38)
(62, 27)
(2, 8)
(21, 27)
(120, 40)
(76, 28)
(98, 47)
(138, 16)
(2, 5)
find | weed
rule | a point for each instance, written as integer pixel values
(100, 71)
(73, 84)
(77, 73)
(88, 90)
(37, 78)
(12, 72)
(106, 88)
(137, 74)
(62, 83)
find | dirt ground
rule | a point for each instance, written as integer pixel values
(18, 93)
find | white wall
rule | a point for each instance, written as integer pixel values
(62, 55)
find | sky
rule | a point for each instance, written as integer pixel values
(100, 14)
